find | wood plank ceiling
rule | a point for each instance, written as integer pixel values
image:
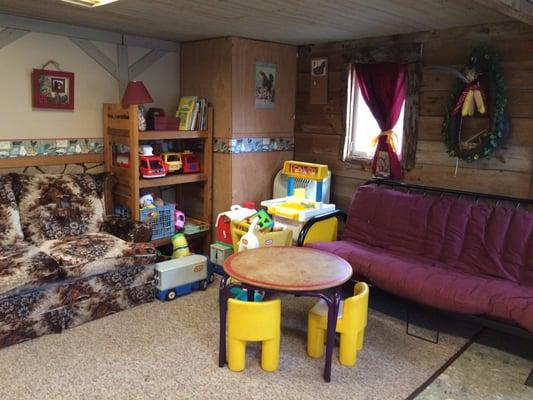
(286, 21)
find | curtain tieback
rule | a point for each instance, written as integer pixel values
(391, 139)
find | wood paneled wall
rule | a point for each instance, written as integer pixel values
(319, 130)
(223, 71)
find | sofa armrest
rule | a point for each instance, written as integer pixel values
(127, 229)
(339, 214)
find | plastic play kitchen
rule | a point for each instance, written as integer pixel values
(295, 209)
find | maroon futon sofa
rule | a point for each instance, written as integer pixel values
(446, 252)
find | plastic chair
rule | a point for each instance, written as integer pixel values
(351, 323)
(254, 322)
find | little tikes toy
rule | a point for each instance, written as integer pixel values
(264, 221)
(190, 162)
(178, 277)
(180, 246)
(249, 240)
(223, 224)
(253, 322)
(351, 324)
(295, 209)
(172, 162)
(151, 167)
(179, 220)
(147, 202)
(146, 150)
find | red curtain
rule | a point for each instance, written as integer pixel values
(383, 89)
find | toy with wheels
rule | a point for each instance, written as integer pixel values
(181, 276)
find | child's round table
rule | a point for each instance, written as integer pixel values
(301, 271)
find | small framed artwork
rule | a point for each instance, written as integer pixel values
(265, 85)
(318, 91)
(52, 89)
(319, 67)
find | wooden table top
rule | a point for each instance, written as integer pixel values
(288, 268)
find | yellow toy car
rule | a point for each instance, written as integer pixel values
(172, 162)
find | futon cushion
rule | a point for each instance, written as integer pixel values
(58, 206)
(94, 253)
(23, 266)
(10, 228)
(437, 284)
(481, 239)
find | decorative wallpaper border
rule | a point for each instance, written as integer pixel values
(252, 145)
(50, 147)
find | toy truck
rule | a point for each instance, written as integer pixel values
(181, 276)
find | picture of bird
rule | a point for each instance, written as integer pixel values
(265, 85)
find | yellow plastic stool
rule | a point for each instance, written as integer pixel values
(351, 323)
(254, 322)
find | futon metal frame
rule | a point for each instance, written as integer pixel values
(504, 201)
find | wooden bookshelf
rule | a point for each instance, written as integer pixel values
(190, 237)
(172, 180)
(193, 191)
(171, 135)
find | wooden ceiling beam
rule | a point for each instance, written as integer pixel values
(521, 10)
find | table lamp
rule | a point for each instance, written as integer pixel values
(136, 93)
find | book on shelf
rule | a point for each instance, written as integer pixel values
(192, 112)
(185, 112)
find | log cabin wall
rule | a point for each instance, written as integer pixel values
(319, 129)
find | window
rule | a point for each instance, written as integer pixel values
(361, 126)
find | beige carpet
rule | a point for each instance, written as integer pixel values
(169, 351)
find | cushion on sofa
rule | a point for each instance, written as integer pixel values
(437, 284)
(58, 206)
(474, 238)
(24, 266)
(94, 253)
(10, 228)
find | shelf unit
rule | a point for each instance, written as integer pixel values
(193, 191)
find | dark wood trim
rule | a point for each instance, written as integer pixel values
(403, 53)
(410, 123)
(467, 33)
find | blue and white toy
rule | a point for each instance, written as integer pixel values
(181, 276)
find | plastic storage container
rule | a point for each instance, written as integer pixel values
(163, 223)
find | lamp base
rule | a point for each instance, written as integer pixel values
(141, 118)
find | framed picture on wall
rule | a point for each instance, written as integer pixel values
(265, 85)
(319, 67)
(52, 89)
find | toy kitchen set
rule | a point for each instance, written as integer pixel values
(305, 196)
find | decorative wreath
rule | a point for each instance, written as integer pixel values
(467, 96)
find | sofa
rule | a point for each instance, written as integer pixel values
(458, 252)
(63, 260)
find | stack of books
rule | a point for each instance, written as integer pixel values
(192, 112)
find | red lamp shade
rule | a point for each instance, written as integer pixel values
(136, 93)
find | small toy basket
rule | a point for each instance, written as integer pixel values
(161, 220)
(274, 238)
(193, 225)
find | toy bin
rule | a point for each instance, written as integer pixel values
(277, 238)
(161, 220)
